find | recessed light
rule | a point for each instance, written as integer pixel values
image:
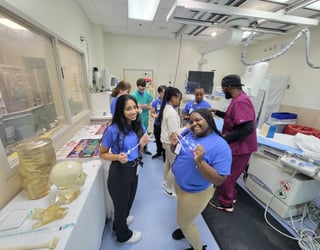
(213, 33)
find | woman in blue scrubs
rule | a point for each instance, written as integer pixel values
(120, 144)
(122, 88)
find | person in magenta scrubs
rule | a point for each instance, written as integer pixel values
(239, 130)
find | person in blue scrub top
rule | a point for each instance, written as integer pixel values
(120, 144)
(155, 110)
(203, 161)
(197, 103)
(122, 88)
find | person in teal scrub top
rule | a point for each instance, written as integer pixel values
(144, 99)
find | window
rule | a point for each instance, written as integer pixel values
(36, 95)
(73, 74)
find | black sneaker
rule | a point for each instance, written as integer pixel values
(218, 206)
(178, 234)
(204, 247)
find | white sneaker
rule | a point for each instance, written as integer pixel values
(136, 236)
(164, 184)
(130, 219)
(169, 192)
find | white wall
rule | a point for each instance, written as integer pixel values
(161, 55)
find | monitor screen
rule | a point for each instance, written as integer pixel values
(200, 78)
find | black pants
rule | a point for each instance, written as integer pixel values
(122, 186)
(157, 134)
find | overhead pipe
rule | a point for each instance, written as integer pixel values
(244, 12)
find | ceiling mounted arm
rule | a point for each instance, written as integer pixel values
(241, 12)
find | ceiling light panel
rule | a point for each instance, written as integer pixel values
(262, 5)
(280, 1)
(304, 12)
(314, 6)
(12, 25)
(142, 9)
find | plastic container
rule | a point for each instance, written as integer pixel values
(292, 129)
(284, 116)
(37, 157)
(281, 119)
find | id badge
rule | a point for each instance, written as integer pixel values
(138, 169)
(177, 149)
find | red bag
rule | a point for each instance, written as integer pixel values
(293, 129)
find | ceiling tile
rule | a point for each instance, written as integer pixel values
(112, 15)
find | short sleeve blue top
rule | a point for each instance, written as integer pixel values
(126, 142)
(217, 155)
(156, 104)
(192, 105)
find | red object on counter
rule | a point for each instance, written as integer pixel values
(293, 129)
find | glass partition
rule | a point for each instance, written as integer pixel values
(36, 95)
(29, 84)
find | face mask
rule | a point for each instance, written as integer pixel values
(227, 95)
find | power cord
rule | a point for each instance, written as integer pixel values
(307, 239)
(267, 208)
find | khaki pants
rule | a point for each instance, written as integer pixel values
(167, 169)
(189, 206)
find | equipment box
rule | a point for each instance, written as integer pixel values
(281, 119)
